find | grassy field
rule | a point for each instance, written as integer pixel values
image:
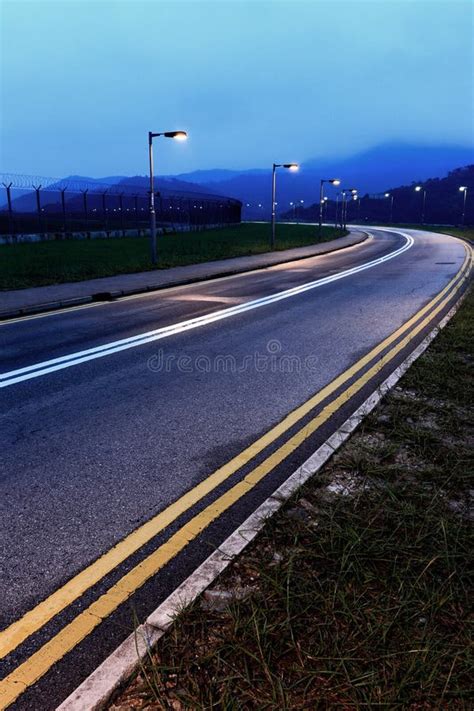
(358, 591)
(23, 265)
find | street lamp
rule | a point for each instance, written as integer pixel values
(178, 136)
(289, 166)
(418, 189)
(333, 181)
(390, 195)
(325, 208)
(463, 189)
(347, 191)
(356, 199)
(301, 203)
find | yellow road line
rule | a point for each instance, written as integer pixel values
(37, 617)
(70, 636)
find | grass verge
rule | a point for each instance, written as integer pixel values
(41, 263)
(357, 593)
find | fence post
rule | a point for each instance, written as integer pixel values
(63, 205)
(86, 216)
(10, 209)
(37, 189)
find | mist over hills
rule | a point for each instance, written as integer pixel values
(141, 182)
(374, 170)
(371, 171)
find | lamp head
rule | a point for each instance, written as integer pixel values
(291, 166)
(178, 135)
(463, 188)
(334, 181)
(418, 188)
(387, 195)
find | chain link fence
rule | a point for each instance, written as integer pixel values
(33, 207)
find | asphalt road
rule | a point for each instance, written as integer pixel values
(103, 428)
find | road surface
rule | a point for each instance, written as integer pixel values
(128, 428)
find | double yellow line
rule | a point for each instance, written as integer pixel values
(73, 633)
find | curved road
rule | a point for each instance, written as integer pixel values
(128, 428)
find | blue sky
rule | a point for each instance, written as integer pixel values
(82, 82)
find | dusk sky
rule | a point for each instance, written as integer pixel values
(252, 82)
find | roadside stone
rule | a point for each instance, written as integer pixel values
(296, 513)
(276, 559)
(218, 600)
(346, 484)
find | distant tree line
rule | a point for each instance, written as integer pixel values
(444, 203)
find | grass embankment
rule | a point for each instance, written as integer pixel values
(358, 590)
(24, 265)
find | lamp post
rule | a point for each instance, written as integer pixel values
(289, 166)
(356, 199)
(333, 181)
(418, 189)
(179, 136)
(297, 213)
(390, 195)
(463, 189)
(325, 208)
(347, 191)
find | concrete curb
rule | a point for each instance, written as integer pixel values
(97, 690)
(118, 293)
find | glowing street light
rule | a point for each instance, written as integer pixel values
(178, 136)
(293, 167)
(332, 181)
(418, 189)
(463, 189)
(347, 191)
(296, 210)
(390, 195)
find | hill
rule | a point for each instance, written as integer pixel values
(443, 203)
(370, 171)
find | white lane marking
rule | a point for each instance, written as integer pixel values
(166, 289)
(35, 371)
